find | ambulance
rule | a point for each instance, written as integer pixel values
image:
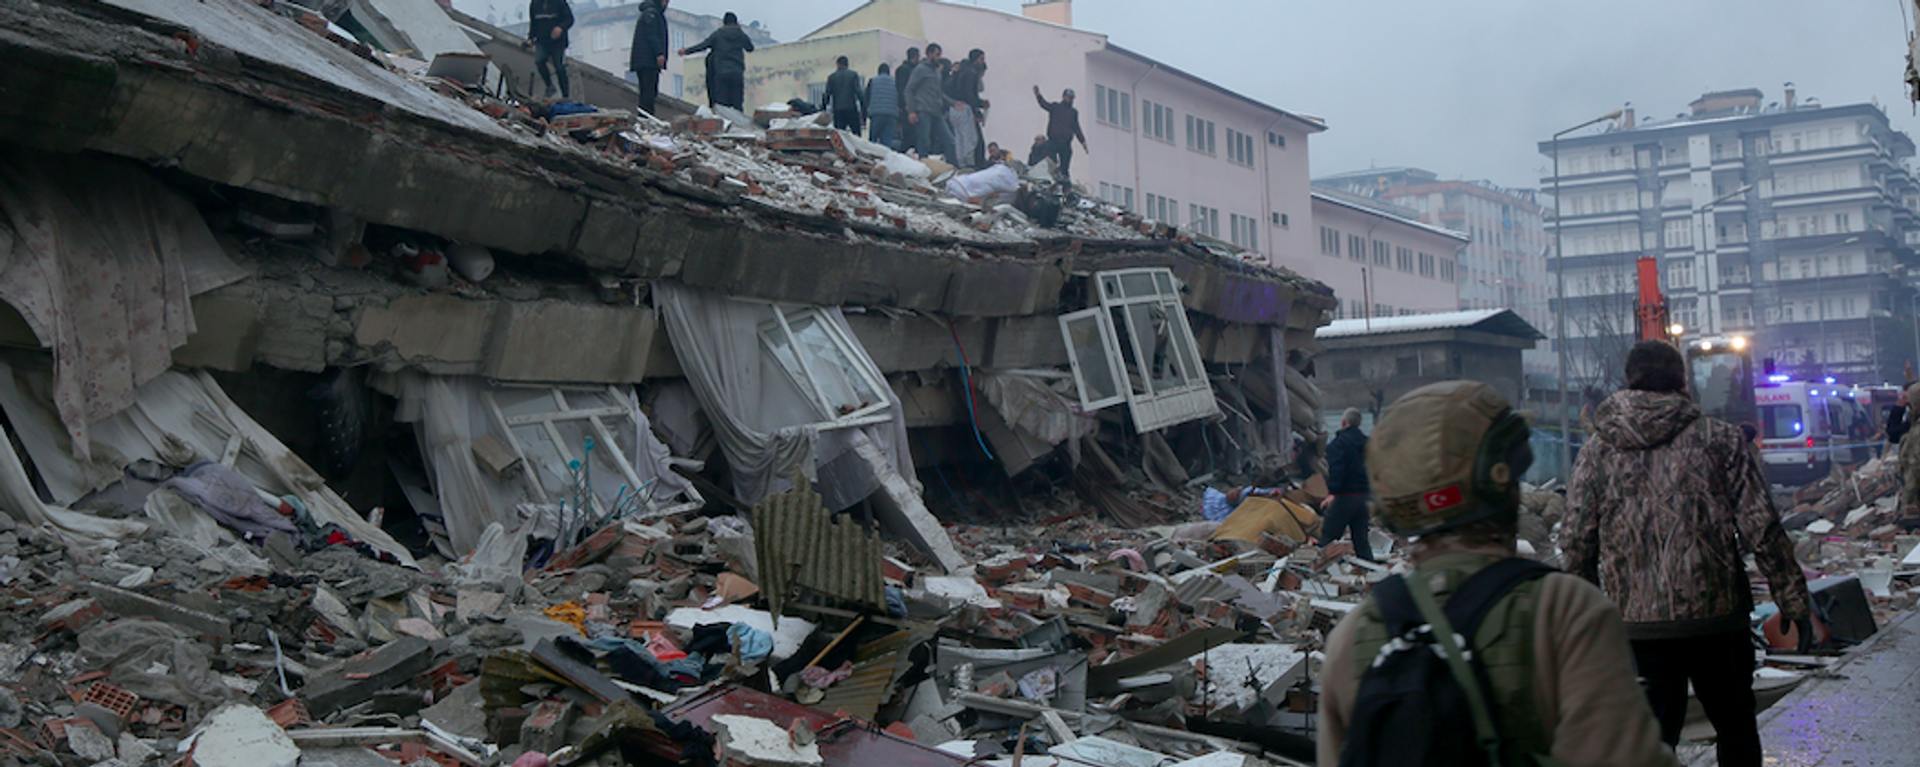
(1795, 422)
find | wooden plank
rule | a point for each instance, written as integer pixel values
(579, 674)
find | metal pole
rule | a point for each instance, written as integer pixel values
(1913, 318)
(1560, 315)
(1820, 294)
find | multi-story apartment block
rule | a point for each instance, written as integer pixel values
(1791, 222)
(1161, 141)
(602, 37)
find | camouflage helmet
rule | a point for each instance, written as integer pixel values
(1444, 456)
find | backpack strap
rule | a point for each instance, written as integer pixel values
(1406, 603)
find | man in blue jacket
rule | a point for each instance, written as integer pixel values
(883, 108)
(650, 51)
(549, 21)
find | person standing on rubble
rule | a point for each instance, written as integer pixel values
(727, 49)
(927, 98)
(968, 80)
(902, 77)
(1347, 492)
(844, 97)
(547, 28)
(883, 108)
(1063, 126)
(650, 51)
(1909, 456)
(1444, 466)
(1663, 506)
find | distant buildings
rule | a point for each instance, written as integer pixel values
(1792, 222)
(1505, 265)
(1169, 144)
(1380, 259)
(602, 36)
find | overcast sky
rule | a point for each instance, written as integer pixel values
(1467, 88)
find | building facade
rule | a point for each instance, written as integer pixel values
(1168, 144)
(1380, 259)
(1505, 267)
(1791, 223)
(602, 37)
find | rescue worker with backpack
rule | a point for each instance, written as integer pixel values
(1478, 657)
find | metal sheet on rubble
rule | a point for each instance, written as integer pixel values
(842, 741)
(799, 543)
(877, 665)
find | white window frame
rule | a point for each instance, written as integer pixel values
(1152, 408)
(800, 369)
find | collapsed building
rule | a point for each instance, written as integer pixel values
(294, 324)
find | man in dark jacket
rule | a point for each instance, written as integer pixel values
(883, 108)
(547, 34)
(844, 97)
(649, 51)
(965, 86)
(904, 77)
(1347, 491)
(1063, 126)
(727, 50)
(927, 98)
(1663, 507)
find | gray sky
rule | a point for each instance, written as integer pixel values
(1467, 88)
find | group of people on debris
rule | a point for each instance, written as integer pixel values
(1479, 656)
(930, 104)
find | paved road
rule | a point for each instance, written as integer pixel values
(1864, 712)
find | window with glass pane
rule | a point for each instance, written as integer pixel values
(819, 359)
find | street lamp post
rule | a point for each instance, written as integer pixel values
(1708, 247)
(1560, 294)
(1820, 285)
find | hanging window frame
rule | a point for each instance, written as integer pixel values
(1135, 305)
(800, 368)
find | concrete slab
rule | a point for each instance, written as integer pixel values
(129, 604)
(553, 341)
(754, 742)
(239, 735)
(441, 335)
(359, 678)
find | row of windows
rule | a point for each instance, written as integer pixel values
(1163, 210)
(1119, 196)
(1114, 107)
(1204, 220)
(1244, 234)
(1387, 255)
(1353, 310)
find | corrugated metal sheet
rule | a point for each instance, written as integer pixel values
(800, 544)
(877, 666)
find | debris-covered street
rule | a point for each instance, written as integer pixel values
(365, 406)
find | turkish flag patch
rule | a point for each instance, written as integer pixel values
(1444, 498)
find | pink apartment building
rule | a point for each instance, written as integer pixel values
(1161, 141)
(1380, 259)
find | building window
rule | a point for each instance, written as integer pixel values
(1281, 220)
(1204, 220)
(680, 86)
(1159, 373)
(1118, 196)
(1428, 266)
(1156, 120)
(1401, 256)
(1113, 107)
(1239, 147)
(825, 364)
(602, 38)
(1200, 135)
(1446, 270)
(1163, 210)
(1329, 241)
(1276, 139)
(678, 37)
(1244, 233)
(1380, 254)
(1356, 247)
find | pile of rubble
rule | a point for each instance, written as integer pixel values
(1850, 524)
(784, 636)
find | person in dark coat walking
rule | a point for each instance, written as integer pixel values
(547, 35)
(1347, 491)
(844, 96)
(727, 50)
(650, 51)
(1063, 126)
(883, 108)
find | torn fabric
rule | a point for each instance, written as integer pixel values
(90, 255)
(766, 425)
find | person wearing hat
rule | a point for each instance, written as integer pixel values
(1444, 465)
(1663, 507)
(727, 49)
(1063, 126)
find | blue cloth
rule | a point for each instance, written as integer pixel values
(1214, 506)
(755, 645)
(564, 108)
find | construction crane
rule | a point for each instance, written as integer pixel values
(1719, 365)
